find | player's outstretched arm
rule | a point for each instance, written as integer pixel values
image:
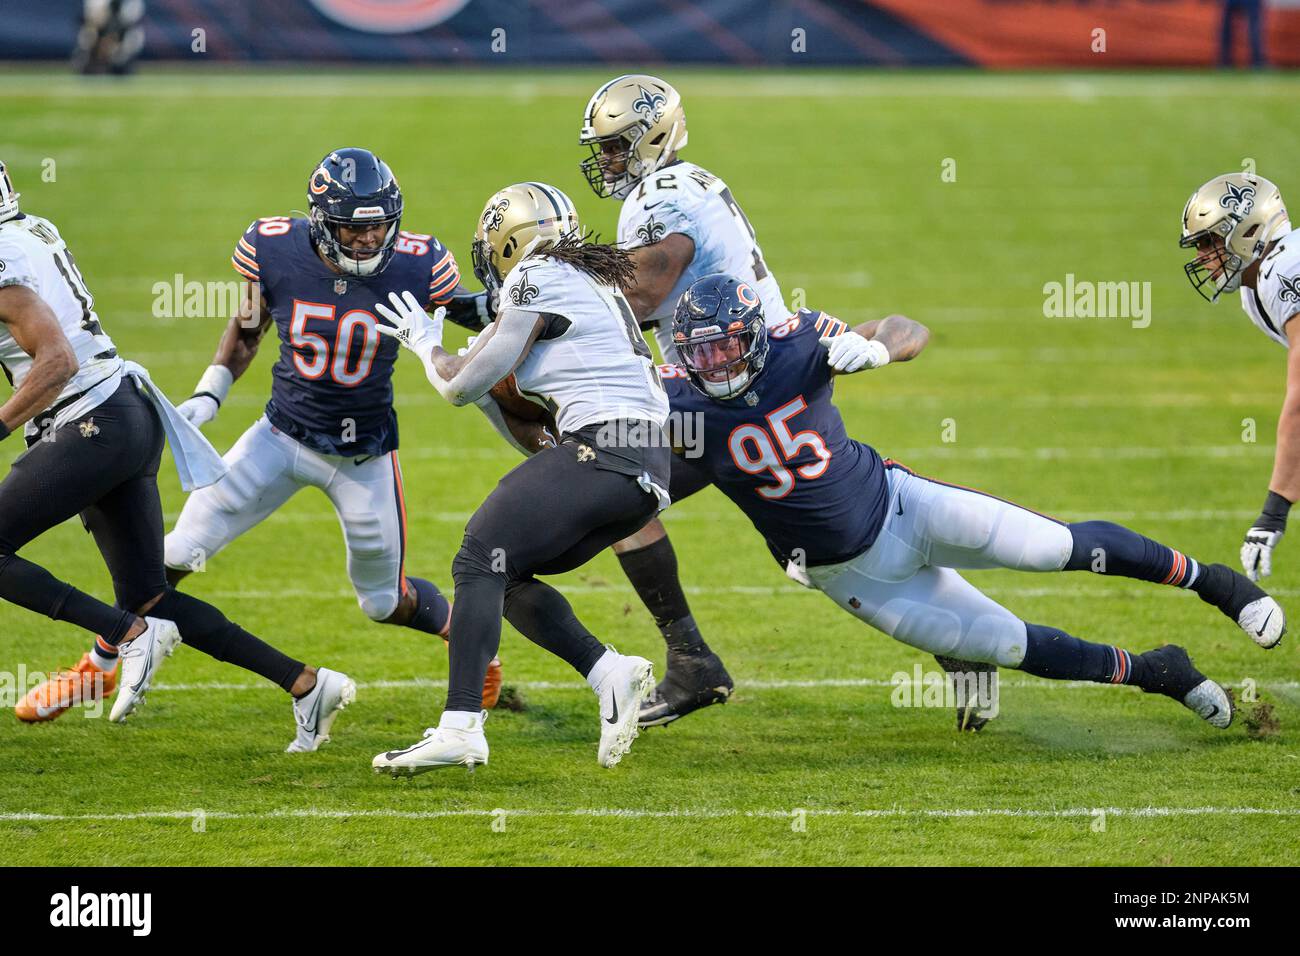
(895, 338)
(461, 379)
(658, 267)
(36, 330)
(469, 310)
(235, 352)
(1284, 485)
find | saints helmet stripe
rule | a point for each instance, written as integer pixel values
(545, 190)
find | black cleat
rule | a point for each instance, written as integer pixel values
(1168, 670)
(968, 708)
(692, 681)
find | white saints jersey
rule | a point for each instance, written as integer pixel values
(590, 364)
(1276, 296)
(685, 198)
(33, 254)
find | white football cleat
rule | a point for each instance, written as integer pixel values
(629, 682)
(441, 747)
(1210, 702)
(1264, 621)
(141, 658)
(315, 711)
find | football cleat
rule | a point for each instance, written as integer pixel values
(627, 684)
(82, 683)
(1210, 702)
(972, 713)
(1244, 601)
(1263, 620)
(141, 657)
(1172, 674)
(316, 710)
(692, 681)
(441, 747)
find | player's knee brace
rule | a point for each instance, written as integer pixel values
(986, 638)
(379, 605)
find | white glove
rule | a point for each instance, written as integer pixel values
(849, 352)
(199, 409)
(469, 344)
(411, 325)
(1257, 552)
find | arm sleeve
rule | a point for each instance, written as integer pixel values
(507, 342)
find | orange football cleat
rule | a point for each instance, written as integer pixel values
(69, 687)
(491, 683)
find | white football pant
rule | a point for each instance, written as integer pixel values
(266, 468)
(905, 585)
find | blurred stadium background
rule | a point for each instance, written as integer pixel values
(945, 158)
(891, 33)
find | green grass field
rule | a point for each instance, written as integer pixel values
(841, 176)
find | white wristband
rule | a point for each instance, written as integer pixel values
(216, 381)
(879, 354)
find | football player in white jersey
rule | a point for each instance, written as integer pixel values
(569, 337)
(680, 223)
(1238, 225)
(95, 430)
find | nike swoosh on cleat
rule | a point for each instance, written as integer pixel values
(613, 703)
(1260, 632)
(1212, 714)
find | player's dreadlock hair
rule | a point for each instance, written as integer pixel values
(604, 263)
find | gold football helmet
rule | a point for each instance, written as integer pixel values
(633, 124)
(516, 222)
(1230, 221)
(8, 195)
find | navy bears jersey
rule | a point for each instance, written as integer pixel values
(332, 387)
(781, 452)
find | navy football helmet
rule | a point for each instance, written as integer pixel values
(355, 188)
(720, 335)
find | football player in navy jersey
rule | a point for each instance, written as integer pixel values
(330, 421)
(882, 541)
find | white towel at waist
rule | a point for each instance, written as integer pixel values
(197, 462)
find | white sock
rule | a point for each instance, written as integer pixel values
(600, 670)
(458, 719)
(100, 661)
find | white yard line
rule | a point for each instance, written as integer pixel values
(703, 813)
(744, 685)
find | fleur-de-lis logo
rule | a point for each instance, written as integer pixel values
(649, 104)
(651, 231)
(89, 429)
(1290, 288)
(1238, 199)
(495, 215)
(585, 453)
(524, 292)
